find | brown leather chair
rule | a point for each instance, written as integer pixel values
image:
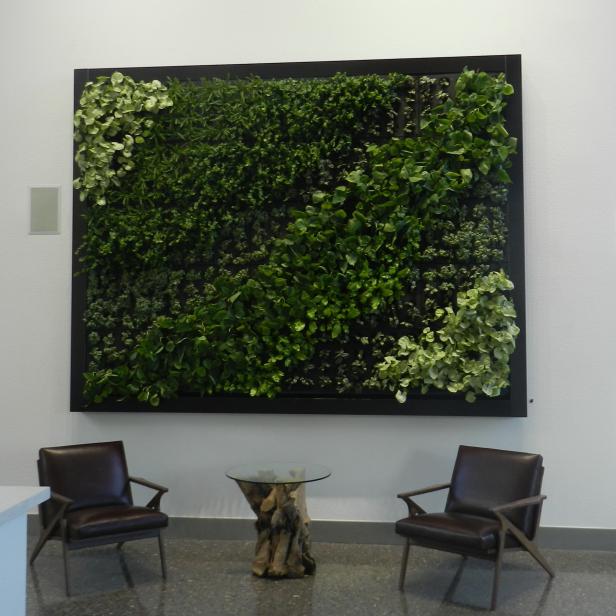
(494, 504)
(91, 502)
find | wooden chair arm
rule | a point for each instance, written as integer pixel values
(523, 502)
(413, 507)
(58, 519)
(154, 502)
(62, 500)
(434, 488)
(148, 484)
(507, 526)
(64, 503)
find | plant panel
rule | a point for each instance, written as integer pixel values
(318, 237)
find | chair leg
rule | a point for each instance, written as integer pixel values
(497, 570)
(163, 563)
(531, 548)
(39, 546)
(66, 569)
(538, 556)
(405, 560)
(45, 534)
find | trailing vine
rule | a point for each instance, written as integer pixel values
(112, 117)
(469, 353)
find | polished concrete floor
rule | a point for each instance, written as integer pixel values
(212, 578)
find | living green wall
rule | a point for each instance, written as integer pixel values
(336, 236)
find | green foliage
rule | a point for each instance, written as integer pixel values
(218, 175)
(469, 353)
(261, 246)
(112, 117)
(214, 226)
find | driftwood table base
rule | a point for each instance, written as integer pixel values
(283, 538)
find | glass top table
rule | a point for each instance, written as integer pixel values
(275, 492)
(275, 473)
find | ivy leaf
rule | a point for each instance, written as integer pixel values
(336, 329)
(503, 176)
(351, 258)
(401, 396)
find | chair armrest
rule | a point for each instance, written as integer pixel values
(523, 502)
(148, 484)
(434, 488)
(58, 517)
(154, 502)
(507, 526)
(62, 500)
(414, 508)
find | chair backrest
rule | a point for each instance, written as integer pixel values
(484, 478)
(92, 474)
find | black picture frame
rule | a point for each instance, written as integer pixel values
(512, 403)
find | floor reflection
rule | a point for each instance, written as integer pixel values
(213, 578)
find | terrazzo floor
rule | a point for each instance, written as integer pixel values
(212, 578)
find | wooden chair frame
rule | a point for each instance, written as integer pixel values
(496, 554)
(57, 530)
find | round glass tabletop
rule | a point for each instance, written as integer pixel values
(278, 472)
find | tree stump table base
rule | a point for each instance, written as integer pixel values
(283, 538)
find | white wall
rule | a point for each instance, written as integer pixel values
(569, 91)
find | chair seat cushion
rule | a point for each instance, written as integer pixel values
(454, 530)
(116, 519)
